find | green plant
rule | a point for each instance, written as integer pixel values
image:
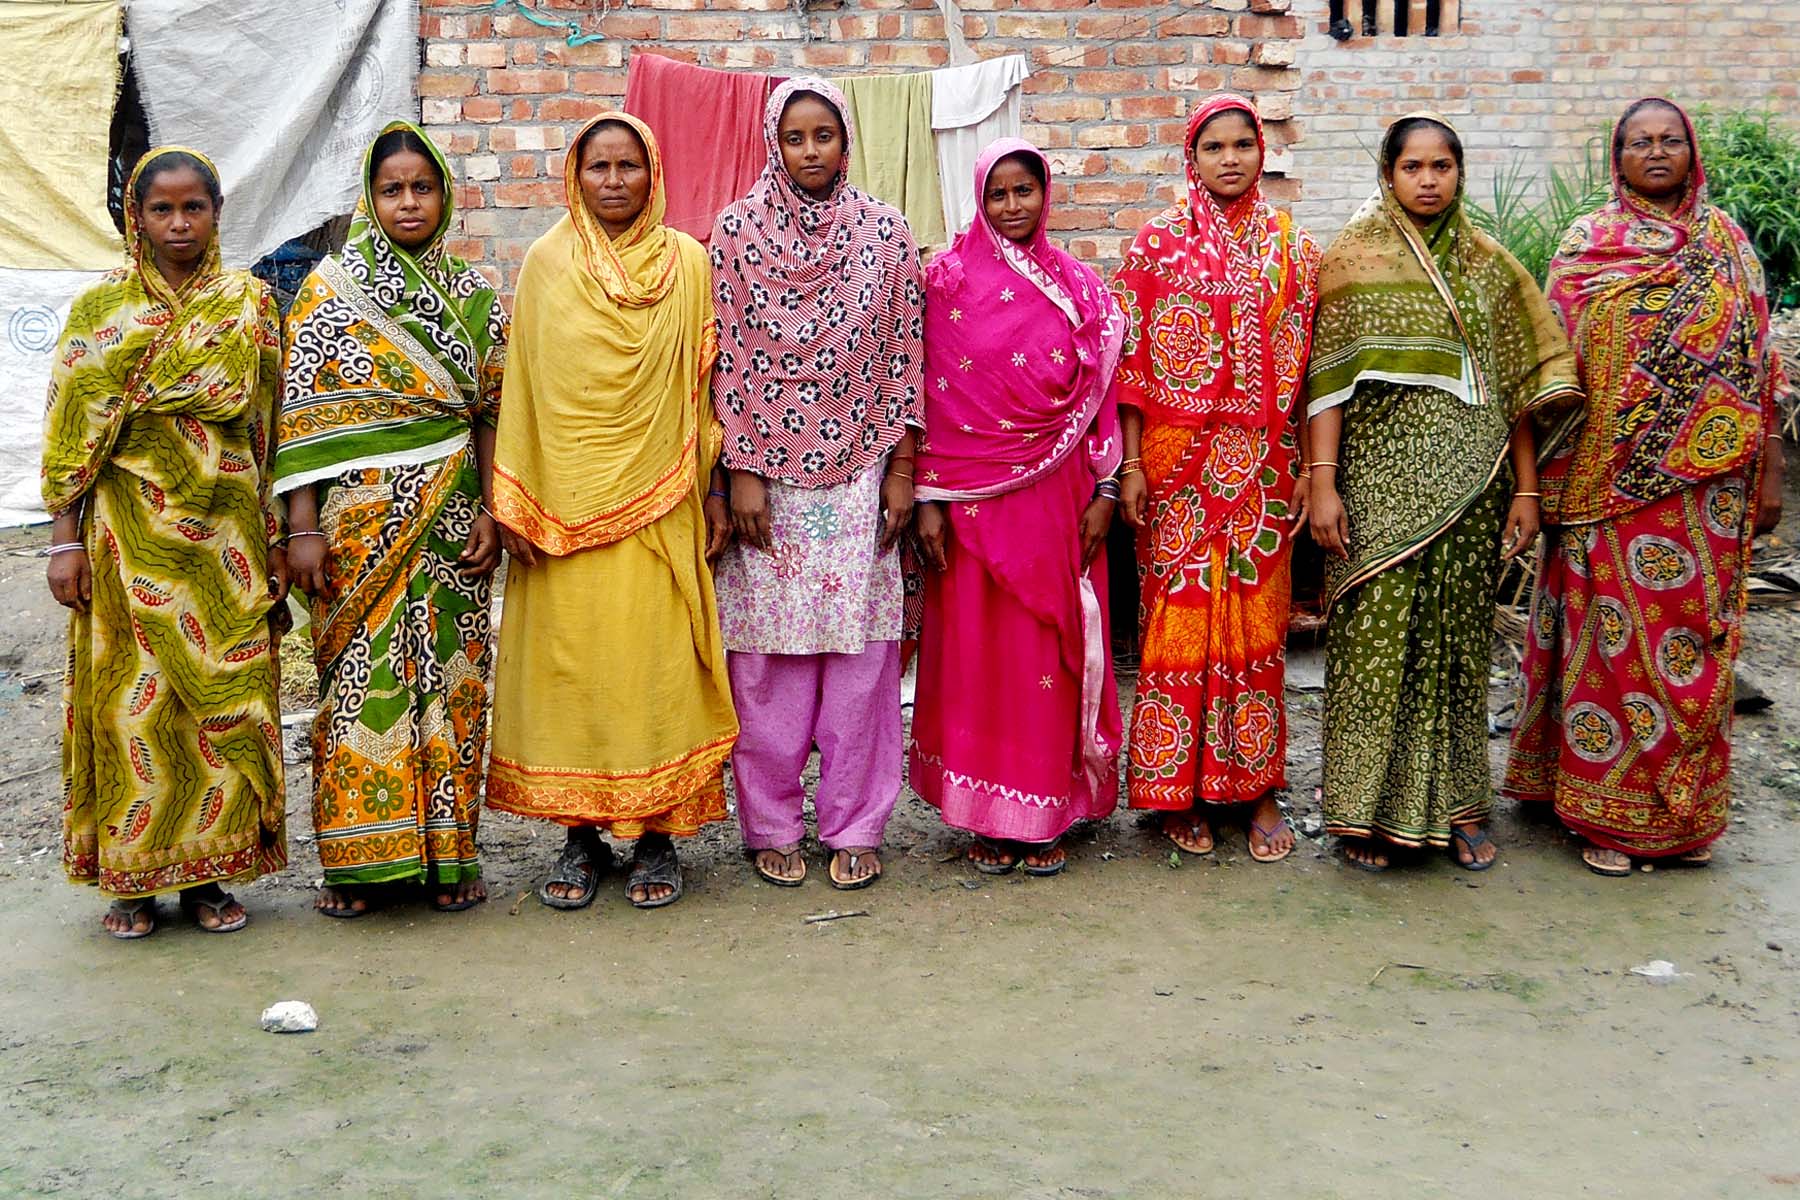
(1753, 172)
(1531, 229)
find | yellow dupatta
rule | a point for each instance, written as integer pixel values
(606, 415)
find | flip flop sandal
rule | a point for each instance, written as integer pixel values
(1008, 859)
(850, 883)
(1193, 828)
(350, 892)
(1371, 868)
(460, 905)
(1268, 835)
(1606, 869)
(1047, 869)
(1693, 859)
(788, 857)
(193, 904)
(131, 909)
(662, 867)
(580, 865)
(1480, 838)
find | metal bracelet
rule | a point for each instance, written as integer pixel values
(65, 546)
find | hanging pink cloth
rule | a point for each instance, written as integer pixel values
(709, 127)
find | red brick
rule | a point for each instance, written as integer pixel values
(1110, 83)
(1145, 54)
(1010, 26)
(1065, 108)
(1257, 26)
(435, 84)
(630, 26)
(524, 166)
(826, 54)
(1113, 27)
(509, 81)
(525, 53)
(1204, 24)
(1068, 217)
(1528, 77)
(1142, 107)
(1067, 56)
(568, 109)
(899, 54)
(1111, 192)
(589, 54)
(481, 108)
(467, 247)
(468, 196)
(1043, 83)
(708, 28)
(538, 194)
(600, 83)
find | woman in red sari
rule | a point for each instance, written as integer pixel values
(1219, 292)
(1651, 507)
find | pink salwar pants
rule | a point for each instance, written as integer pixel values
(846, 704)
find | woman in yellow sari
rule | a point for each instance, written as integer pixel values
(156, 471)
(612, 708)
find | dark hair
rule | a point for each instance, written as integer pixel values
(581, 143)
(395, 141)
(174, 160)
(1233, 111)
(1031, 162)
(1405, 128)
(797, 96)
(1636, 107)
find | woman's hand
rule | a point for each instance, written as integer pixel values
(1301, 504)
(896, 507)
(1134, 498)
(72, 579)
(519, 547)
(281, 578)
(718, 526)
(306, 562)
(1330, 527)
(750, 510)
(481, 553)
(1768, 500)
(934, 529)
(1095, 521)
(1523, 520)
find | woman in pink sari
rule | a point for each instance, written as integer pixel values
(1016, 728)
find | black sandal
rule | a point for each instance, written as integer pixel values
(1006, 857)
(1472, 842)
(351, 893)
(580, 865)
(1041, 850)
(662, 866)
(466, 902)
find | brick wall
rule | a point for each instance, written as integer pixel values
(1112, 83)
(1527, 77)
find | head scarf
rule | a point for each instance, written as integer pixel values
(1444, 305)
(1021, 342)
(605, 422)
(819, 311)
(1218, 301)
(134, 344)
(1670, 321)
(391, 354)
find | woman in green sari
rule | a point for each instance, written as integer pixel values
(156, 457)
(391, 390)
(1431, 352)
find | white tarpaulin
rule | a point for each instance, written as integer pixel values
(33, 307)
(284, 95)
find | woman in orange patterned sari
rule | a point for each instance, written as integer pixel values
(1218, 292)
(1651, 509)
(391, 383)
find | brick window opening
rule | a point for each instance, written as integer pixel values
(1394, 18)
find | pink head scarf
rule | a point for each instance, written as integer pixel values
(1020, 346)
(819, 311)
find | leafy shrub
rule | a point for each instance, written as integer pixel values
(1753, 170)
(1531, 229)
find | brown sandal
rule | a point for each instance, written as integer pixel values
(789, 858)
(848, 882)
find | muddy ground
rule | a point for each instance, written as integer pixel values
(1148, 1025)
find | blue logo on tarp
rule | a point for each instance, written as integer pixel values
(32, 329)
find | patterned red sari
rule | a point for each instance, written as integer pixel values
(1219, 304)
(1650, 507)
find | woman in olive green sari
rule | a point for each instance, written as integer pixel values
(1431, 349)
(156, 472)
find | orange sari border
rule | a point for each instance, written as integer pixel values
(571, 796)
(523, 513)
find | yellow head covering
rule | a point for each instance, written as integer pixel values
(140, 254)
(606, 414)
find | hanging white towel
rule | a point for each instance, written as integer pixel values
(971, 106)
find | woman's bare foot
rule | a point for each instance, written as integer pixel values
(1190, 830)
(992, 856)
(344, 900)
(1044, 858)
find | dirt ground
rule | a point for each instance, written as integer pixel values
(1148, 1025)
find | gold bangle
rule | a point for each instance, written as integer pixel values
(1131, 464)
(1311, 465)
(901, 474)
(1528, 495)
